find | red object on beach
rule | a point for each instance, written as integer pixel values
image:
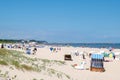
(75, 64)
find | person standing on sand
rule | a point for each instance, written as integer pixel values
(90, 55)
(110, 49)
(2, 46)
(83, 55)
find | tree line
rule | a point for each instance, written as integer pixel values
(20, 41)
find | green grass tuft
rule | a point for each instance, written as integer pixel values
(26, 67)
(3, 62)
(16, 64)
(3, 52)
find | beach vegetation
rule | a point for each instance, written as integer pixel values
(67, 76)
(16, 64)
(3, 62)
(34, 79)
(19, 41)
(59, 75)
(15, 59)
(3, 52)
(26, 67)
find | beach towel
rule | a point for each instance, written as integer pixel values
(81, 66)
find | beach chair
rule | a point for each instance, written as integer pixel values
(97, 63)
(67, 57)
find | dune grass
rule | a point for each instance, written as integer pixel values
(26, 67)
(20, 61)
(3, 52)
(3, 62)
(10, 57)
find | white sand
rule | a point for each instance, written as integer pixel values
(111, 73)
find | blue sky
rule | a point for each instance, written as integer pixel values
(61, 20)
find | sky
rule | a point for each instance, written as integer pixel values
(77, 21)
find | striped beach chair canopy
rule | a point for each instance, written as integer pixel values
(97, 56)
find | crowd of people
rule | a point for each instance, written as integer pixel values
(20, 46)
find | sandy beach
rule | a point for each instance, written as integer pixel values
(59, 39)
(111, 68)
